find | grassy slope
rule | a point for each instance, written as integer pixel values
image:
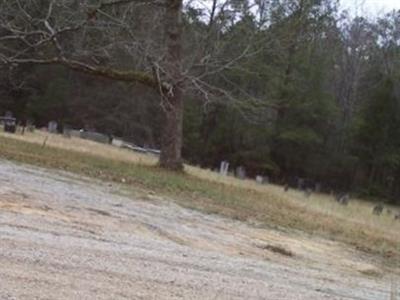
(201, 189)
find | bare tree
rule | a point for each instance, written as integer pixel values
(119, 40)
(352, 61)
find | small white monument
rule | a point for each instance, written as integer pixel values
(224, 168)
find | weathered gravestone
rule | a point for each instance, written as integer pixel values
(67, 131)
(224, 167)
(52, 127)
(117, 142)
(241, 172)
(10, 124)
(262, 179)
(30, 126)
(259, 179)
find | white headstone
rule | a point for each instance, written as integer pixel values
(52, 127)
(260, 179)
(224, 168)
(117, 142)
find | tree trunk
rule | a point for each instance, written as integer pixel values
(172, 101)
(171, 139)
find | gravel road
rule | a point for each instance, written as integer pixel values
(67, 237)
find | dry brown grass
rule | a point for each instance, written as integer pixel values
(84, 146)
(207, 190)
(357, 213)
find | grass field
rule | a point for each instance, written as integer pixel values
(268, 205)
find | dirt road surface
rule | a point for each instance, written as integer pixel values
(68, 237)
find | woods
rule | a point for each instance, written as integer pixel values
(285, 88)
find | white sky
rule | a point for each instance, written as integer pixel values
(370, 7)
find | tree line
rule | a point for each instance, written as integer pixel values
(285, 88)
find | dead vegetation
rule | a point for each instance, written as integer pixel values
(265, 205)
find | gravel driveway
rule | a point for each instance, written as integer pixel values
(67, 237)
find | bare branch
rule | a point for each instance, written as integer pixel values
(50, 10)
(127, 76)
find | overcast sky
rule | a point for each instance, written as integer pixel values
(372, 7)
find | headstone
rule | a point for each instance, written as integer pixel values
(117, 142)
(259, 179)
(30, 126)
(224, 167)
(52, 127)
(67, 131)
(240, 172)
(10, 124)
(318, 187)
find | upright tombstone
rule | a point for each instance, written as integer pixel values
(240, 172)
(259, 179)
(117, 142)
(10, 124)
(67, 131)
(52, 127)
(30, 126)
(224, 167)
